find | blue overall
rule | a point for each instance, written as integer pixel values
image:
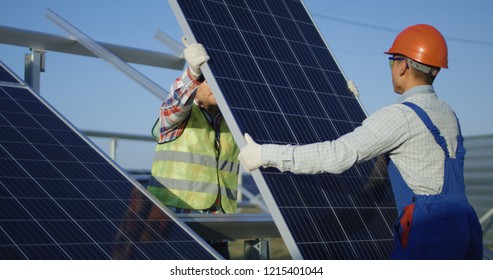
(441, 226)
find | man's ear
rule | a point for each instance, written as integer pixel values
(403, 68)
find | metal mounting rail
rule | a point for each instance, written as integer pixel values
(49, 42)
(232, 226)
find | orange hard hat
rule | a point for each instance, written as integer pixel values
(422, 43)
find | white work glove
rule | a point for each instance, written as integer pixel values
(195, 55)
(352, 87)
(251, 155)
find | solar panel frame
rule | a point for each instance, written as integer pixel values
(52, 202)
(248, 121)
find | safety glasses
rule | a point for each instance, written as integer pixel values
(393, 58)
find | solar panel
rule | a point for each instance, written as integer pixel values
(274, 77)
(61, 198)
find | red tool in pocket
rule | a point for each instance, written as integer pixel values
(406, 222)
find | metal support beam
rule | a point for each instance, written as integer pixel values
(255, 229)
(103, 134)
(232, 226)
(105, 54)
(34, 64)
(50, 42)
(486, 217)
(171, 43)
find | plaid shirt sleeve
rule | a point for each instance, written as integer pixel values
(176, 108)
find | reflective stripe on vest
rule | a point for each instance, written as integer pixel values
(189, 172)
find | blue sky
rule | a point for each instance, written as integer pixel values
(94, 95)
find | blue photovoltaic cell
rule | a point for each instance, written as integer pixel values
(275, 78)
(61, 199)
(5, 76)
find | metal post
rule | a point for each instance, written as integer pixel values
(113, 145)
(34, 64)
(257, 250)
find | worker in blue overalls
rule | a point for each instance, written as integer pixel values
(421, 137)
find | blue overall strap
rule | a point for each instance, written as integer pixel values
(461, 151)
(430, 125)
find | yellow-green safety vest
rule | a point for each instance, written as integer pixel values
(191, 171)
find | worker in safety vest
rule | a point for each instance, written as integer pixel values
(195, 168)
(421, 137)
